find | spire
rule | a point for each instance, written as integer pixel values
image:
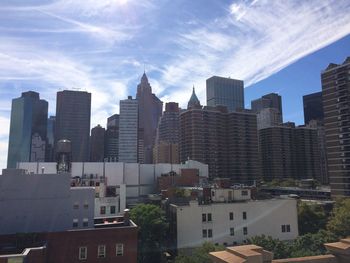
(194, 101)
(144, 78)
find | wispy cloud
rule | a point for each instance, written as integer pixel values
(102, 46)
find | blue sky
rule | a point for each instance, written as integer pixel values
(102, 47)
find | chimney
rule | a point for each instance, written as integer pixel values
(126, 217)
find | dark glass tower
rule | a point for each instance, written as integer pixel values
(97, 143)
(27, 129)
(50, 151)
(225, 92)
(112, 139)
(313, 109)
(73, 110)
(150, 109)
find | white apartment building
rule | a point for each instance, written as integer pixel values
(230, 223)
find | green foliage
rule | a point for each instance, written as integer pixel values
(152, 232)
(279, 248)
(339, 223)
(311, 218)
(199, 255)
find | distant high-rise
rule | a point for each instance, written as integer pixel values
(128, 131)
(150, 110)
(112, 139)
(313, 109)
(166, 149)
(50, 150)
(73, 111)
(97, 143)
(27, 138)
(269, 110)
(226, 92)
(226, 141)
(287, 151)
(336, 100)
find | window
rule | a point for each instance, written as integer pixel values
(204, 217)
(102, 210)
(101, 251)
(231, 215)
(82, 253)
(204, 233)
(244, 215)
(232, 231)
(209, 217)
(119, 249)
(75, 223)
(210, 233)
(86, 205)
(85, 222)
(245, 230)
(76, 206)
(285, 228)
(244, 193)
(113, 209)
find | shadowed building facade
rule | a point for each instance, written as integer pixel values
(149, 111)
(73, 110)
(28, 131)
(97, 143)
(226, 141)
(166, 149)
(112, 139)
(336, 100)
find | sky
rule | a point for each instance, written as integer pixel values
(104, 46)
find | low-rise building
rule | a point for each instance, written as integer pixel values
(229, 216)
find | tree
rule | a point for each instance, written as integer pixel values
(339, 223)
(199, 255)
(279, 248)
(152, 232)
(311, 218)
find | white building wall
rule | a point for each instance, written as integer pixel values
(140, 179)
(263, 217)
(107, 202)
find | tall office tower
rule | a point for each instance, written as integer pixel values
(287, 151)
(73, 110)
(27, 138)
(97, 144)
(313, 109)
(50, 150)
(226, 141)
(268, 109)
(112, 139)
(128, 131)
(226, 92)
(166, 148)
(150, 110)
(336, 99)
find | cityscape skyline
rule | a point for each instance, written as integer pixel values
(80, 36)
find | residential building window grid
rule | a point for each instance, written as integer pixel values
(82, 253)
(102, 210)
(285, 228)
(112, 209)
(244, 215)
(245, 230)
(75, 223)
(101, 251)
(232, 231)
(231, 215)
(119, 249)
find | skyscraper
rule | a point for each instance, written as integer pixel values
(268, 109)
(27, 138)
(166, 149)
(128, 131)
(313, 109)
(97, 144)
(50, 150)
(226, 141)
(287, 151)
(73, 110)
(336, 100)
(112, 138)
(226, 92)
(150, 110)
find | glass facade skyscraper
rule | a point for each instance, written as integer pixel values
(27, 138)
(226, 92)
